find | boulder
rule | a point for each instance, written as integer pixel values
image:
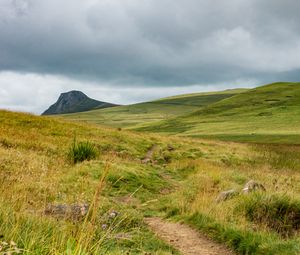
(225, 195)
(73, 211)
(252, 186)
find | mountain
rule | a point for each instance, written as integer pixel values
(75, 101)
(268, 114)
(135, 115)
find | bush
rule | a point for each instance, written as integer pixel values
(278, 212)
(81, 151)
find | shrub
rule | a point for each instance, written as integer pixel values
(278, 212)
(81, 151)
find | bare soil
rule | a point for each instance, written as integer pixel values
(149, 154)
(185, 239)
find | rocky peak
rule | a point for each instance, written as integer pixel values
(74, 101)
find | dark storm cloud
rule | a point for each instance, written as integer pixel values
(150, 42)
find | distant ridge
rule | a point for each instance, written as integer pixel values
(75, 101)
(141, 114)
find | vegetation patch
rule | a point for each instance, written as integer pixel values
(278, 212)
(81, 151)
(246, 242)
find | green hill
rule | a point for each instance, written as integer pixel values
(270, 113)
(132, 116)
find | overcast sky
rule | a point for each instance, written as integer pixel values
(126, 51)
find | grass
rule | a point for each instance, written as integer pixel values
(182, 183)
(81, 151)
(280, 213)
(267, 114)
(242, 241)
(132, 116)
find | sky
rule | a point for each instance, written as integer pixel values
(127, 51)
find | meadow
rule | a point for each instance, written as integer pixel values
(266, 114)
(132, 116)
(180, 182)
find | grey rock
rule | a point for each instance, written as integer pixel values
(252, 186)
(75, 101)
(113, 214)
(104, 226)
(73, 211)
(225, 195)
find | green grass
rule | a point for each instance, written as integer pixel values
(132, 116)
(81, 151)
(182, 182)
(267, 114)
(243, 241)
(278, 212)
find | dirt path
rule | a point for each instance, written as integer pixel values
(185, 239)
(149, 154)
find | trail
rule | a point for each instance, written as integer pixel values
(185, 239)
(149, 154)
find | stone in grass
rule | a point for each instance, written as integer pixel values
(225, 195)
(252, 186)
(104, 226)
(113, 214)
(73, 211)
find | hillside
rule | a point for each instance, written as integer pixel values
(75, 101)
(113, 197)
(132, 116)
(265, 114)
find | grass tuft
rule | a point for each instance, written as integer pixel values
(82, 151)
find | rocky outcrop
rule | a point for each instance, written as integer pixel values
(75, 101)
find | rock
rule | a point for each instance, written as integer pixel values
(75, 101)
(123, 236)
(113, 214)
(170, 147)
(73, 211)
(146, 160)
(104, 226)
(225, 195)
(253, 186)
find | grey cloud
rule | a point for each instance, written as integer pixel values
(151, 42)
(23, 91)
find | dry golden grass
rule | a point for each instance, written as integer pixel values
(184, 181)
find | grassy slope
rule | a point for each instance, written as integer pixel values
(265, 114)
(131, 116)
(181, 183)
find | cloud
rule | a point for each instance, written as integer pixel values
(150, 43)
(26, 91)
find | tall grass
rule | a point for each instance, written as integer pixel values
(89, 226)
(278, 212)
(81, 151)
(246, 242)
